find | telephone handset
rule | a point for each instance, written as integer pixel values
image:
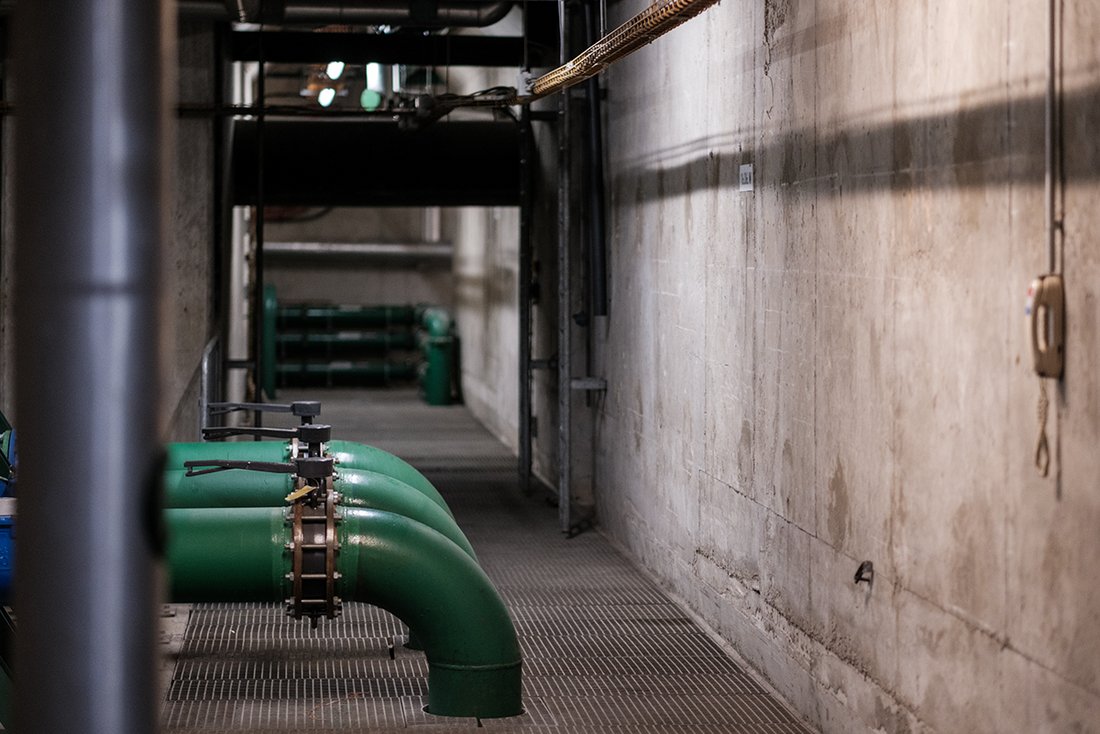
(1045, 309)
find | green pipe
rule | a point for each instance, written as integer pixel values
(242, 488)
(343, 373)
(228, 554)
(436, 321)
(357, 488)
(268, 451)
(328, 344)
(267, 364)
(474, 662)
(345, 317)
(437, 348)
(348, 455)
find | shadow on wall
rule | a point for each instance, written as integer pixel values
(1000, 141)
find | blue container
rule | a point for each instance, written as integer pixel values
(7, 553)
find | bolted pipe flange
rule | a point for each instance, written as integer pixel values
(313, 562)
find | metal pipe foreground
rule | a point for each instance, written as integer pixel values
(356, 487)
(411, 571)
(91, 151)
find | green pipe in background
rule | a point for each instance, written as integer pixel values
(357, 488)
(348, 455)
(267, 364)
(437, 345)
(335, 344)
(342, 373)
(474, 662)
(317, 317)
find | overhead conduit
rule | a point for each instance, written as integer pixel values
(412, 571)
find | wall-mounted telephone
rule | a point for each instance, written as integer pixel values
(1046, 312)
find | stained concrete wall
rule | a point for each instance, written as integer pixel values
(832, 368)
(486, 314)
(187, 270)
(346, 281)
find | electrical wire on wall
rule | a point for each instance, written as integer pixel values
(1046, 295)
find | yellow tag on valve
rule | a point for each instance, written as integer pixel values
(300, 493)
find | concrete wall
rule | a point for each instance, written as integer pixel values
(189, 256)
(486, 314)
(356, 282)
(832, 368)
(486, 272)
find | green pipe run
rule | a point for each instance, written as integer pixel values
(330, 344)
(345, 317)
(357, 488)
(348, 373)
(474, 663)
(348, 455)
(437, 345)
(267, 364)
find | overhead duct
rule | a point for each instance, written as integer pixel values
(370, 163)
(424, 14)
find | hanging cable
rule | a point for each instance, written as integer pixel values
(644, 28)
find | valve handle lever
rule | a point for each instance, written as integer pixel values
(313, 433)
(306, 467)
(209, 466)
(305, 409)
(217, 432)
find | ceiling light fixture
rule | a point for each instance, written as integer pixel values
(334, 69)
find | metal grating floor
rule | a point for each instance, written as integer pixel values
(604, 648)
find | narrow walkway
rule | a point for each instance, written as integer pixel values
(604, 648)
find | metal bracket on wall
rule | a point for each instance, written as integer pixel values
(597, 384)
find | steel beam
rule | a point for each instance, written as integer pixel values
(303, 47)
(355, 163)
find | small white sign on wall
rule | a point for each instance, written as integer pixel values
(745, 178)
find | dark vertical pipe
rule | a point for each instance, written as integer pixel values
(92, 144)
(527, 151)
(526, 180)
(597, 232)
(565, 295)
(258, 251)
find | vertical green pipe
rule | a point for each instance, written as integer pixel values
(437, 347)
(267, 363)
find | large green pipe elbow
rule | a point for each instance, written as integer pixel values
(349, 454)
(474, 662)
(357, 488)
